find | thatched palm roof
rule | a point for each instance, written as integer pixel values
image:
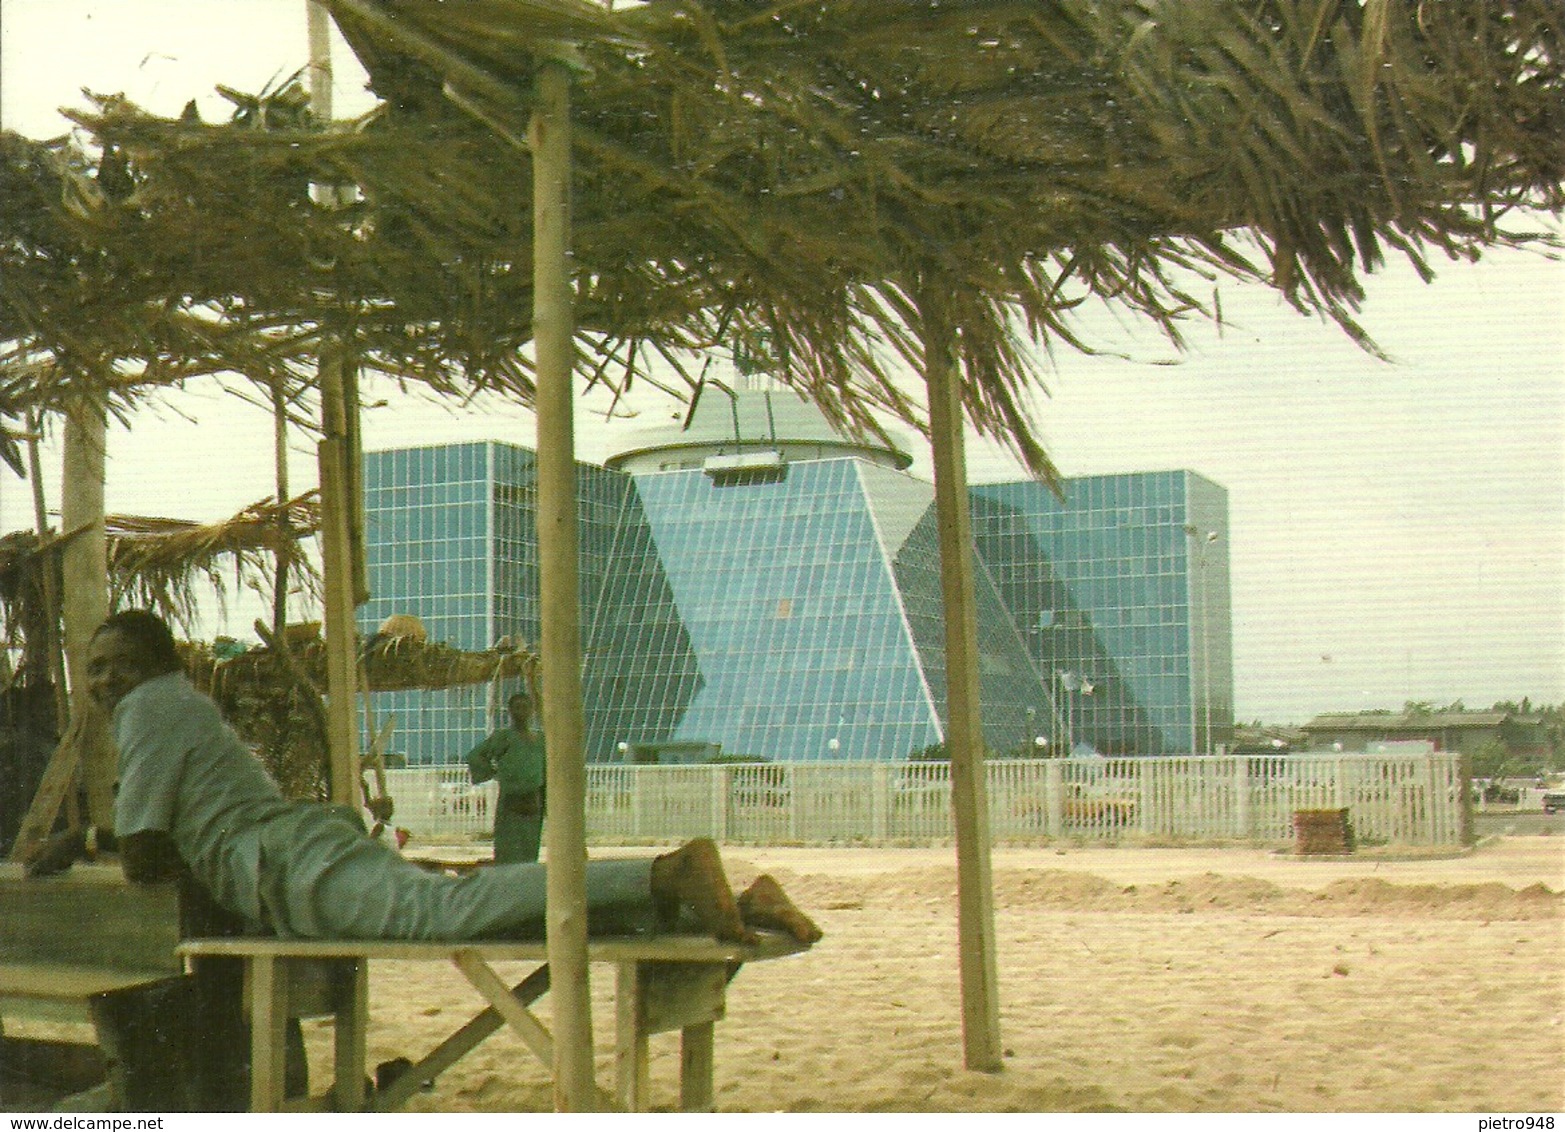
(390, 664)
(153, 562)
(816, 170)
(156, 562)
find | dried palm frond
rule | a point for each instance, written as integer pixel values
(155, 562)
(822, 170)
(390, 664)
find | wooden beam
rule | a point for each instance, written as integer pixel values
(56, 782)
(575, 1089)
(964, 730)
(499, 996)
(458, 1045)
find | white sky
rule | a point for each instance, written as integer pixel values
(1398, 530)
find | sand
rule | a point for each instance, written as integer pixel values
(1141, 980)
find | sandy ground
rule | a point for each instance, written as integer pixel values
(1143, 980)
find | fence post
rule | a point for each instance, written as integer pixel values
(636, 801)
(792, 794)
(1053, 798)
(879, 801)
(1242, 797)
(1464, 800)
(720, 791)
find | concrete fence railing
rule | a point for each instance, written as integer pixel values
(1412, 799)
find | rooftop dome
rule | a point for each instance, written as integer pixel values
(763, 422)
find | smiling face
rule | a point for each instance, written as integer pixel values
(116, 664)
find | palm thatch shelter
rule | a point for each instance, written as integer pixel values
(863, 183)
(272, 694)
(152, 562)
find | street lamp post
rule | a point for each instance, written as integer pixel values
(1203, 540)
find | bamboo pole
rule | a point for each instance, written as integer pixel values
(339, 487)
(284, 553)
(964, 732)
(84, 572)
(553, 331)
(318, 28)
(342, 672)
(50, 622)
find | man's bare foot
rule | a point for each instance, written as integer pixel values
(765, 905)
(692, 877)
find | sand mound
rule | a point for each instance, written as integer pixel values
(935, 887)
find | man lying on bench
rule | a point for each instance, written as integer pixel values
(191, 795)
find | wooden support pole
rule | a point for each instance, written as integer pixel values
(342, 669)
(340, 489)
(49, 622)
(964, 733)
(284, 552)
(318, 29)
(575, 1089)
(84, 570)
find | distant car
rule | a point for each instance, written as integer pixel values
(1553, 801)
(1503, 795)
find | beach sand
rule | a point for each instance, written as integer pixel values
(1142, 980)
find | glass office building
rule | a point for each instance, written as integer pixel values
(753, 580)
(1121, 591)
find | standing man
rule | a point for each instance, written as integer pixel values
(514, 756)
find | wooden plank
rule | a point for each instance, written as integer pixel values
(58, 776)
(614, 949)
(676, 995)
(89, 916)
(59, 982)
(488, 984)
(459, 1044)
(342, 673)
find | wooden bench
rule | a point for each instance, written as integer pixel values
(663, 983)
(86, 931)
(65, 939)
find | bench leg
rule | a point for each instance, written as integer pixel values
(695, 1067)
(351, 1016)
(268, 1033)
(632, 1084)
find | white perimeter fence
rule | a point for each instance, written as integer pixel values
(1413, 799)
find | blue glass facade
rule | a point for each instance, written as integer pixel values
(1121, 590)
(798, 616)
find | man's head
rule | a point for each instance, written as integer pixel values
(128, 649)
(521, 708)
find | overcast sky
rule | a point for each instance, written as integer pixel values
(1398, 530)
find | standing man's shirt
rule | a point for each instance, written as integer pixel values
(514, 760)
